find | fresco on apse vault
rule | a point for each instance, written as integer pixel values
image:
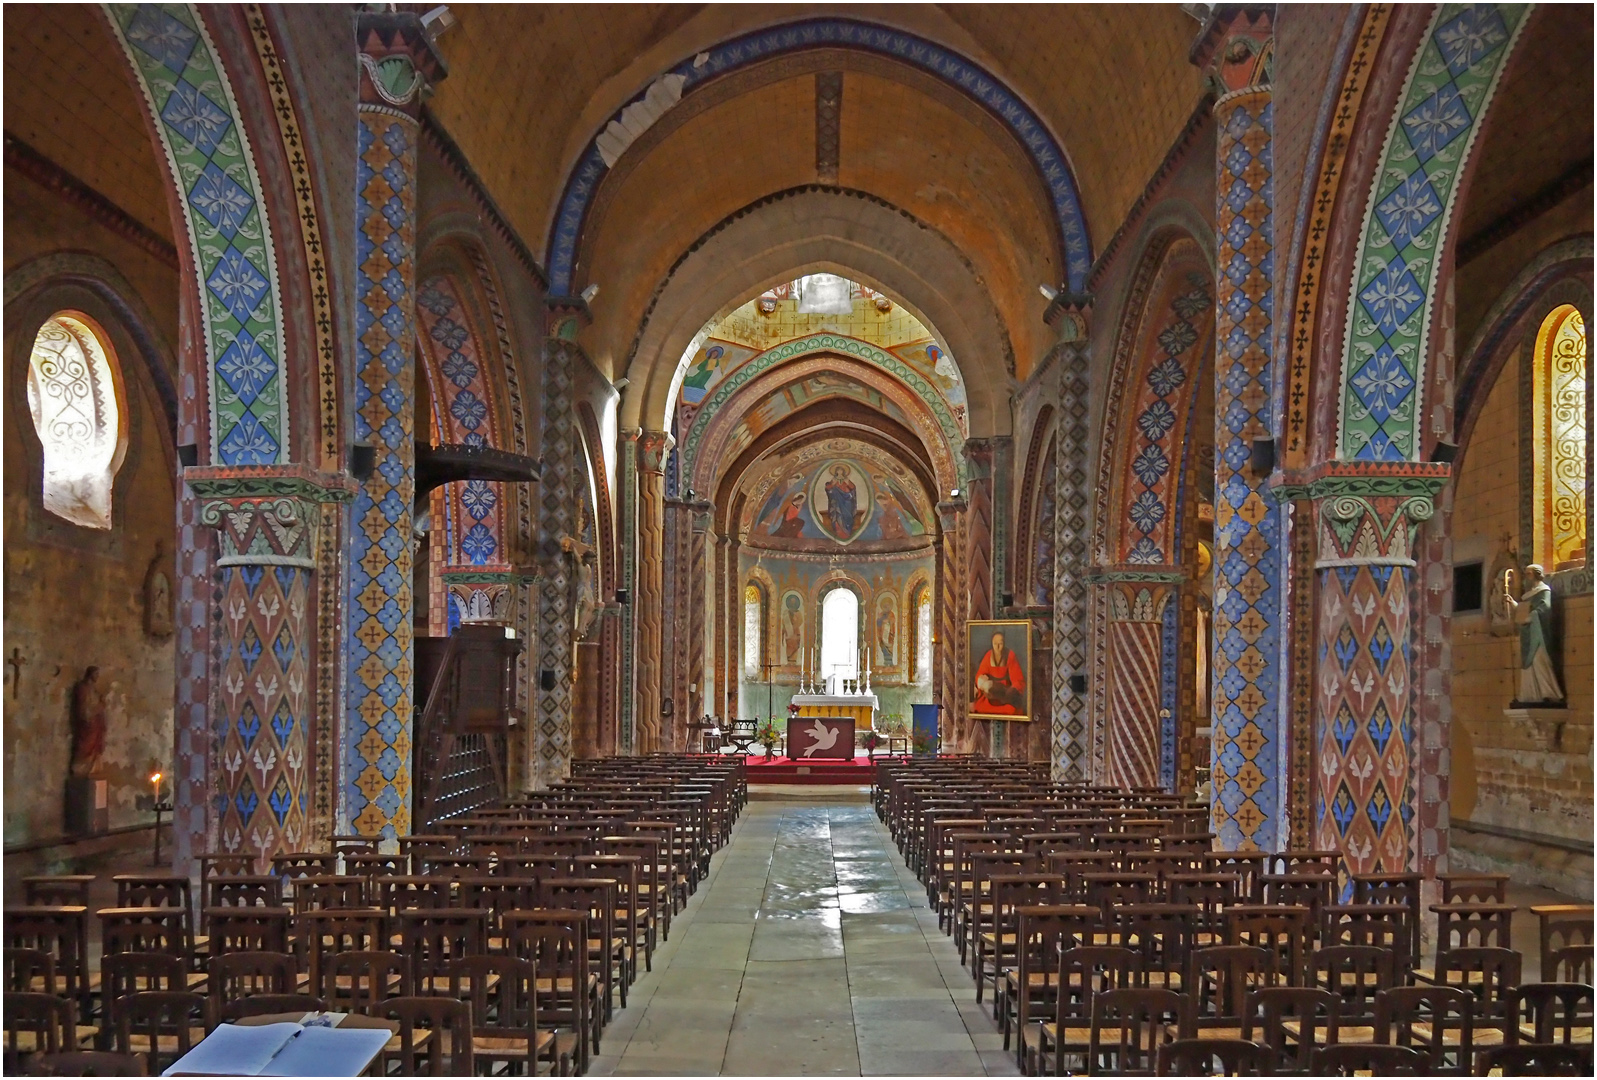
(824, 501)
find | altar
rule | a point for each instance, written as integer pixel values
(860, 707)
(811, 737)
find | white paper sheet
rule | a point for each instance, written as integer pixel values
(328, 1052)
(232, 1050)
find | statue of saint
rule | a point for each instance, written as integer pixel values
(88, 724)
(1533, 612)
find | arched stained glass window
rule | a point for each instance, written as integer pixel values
(1561, 437)
(753, 629)
(923, 637)
(75, 403)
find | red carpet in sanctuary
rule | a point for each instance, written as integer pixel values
(782, 770)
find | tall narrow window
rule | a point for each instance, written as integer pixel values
(753, 630)
(839, 638)
(923, 638)
(1561, 440)
(75, 403)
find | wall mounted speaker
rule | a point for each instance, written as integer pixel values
(546, 679)
(1263, 457)
(188, 455)
(362, 461)
(1007, 599)
(1078, 684)
(623, 596)
(1445, 451)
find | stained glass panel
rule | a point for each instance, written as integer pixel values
(72, 398)
(1565, 490)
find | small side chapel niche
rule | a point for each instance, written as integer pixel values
(158, 595)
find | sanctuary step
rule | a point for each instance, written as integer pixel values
(783, 770)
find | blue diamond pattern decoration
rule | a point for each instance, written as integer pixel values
(1408, 209)
(1391, 296)
(162, 38)
(1383, 384)
(1436, 122)
(196, 117)
(245, 367)
(220, 200)
(237, 284)
(1470, 37)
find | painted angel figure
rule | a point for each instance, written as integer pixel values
(1533, 613)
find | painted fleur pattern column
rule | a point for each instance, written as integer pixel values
(268, 521)
(1071, 734)
(1364, 700)
(652, 449)
(557, 514)
(397, 62)
(1249, 533)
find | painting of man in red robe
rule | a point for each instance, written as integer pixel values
(1000, 665)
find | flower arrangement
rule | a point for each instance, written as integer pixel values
(767, 736)
(872, 739)
(923, 743)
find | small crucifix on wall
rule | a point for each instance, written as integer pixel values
(16, 661)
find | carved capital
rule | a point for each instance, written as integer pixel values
(653, 446)
(1368, 512)
(1236, 48)
(948, 513)
(1067, 313)
(266, 515)
(399, 62)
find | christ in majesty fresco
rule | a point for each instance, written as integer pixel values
(842, 501)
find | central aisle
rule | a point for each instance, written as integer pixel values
(809, 951)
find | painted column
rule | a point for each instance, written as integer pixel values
(1072, 731)
(949, 655)
(1139, 610)
(397, 63)
(726, 686)
(984, 736)
(557, 523)
(1367, 520)
(697, 600)
(269, 527)
(652, 449)
(1248, 763)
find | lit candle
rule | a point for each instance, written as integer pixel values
(155, 782)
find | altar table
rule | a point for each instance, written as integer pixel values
(810, 737)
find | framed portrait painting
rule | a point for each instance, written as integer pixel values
(998, 659)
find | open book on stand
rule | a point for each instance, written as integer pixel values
(313, 1048)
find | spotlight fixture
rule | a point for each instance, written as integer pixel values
(590, 293)
(1048, 292)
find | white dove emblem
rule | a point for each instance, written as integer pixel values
(825, 738)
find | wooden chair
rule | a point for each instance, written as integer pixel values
(244, 890)
(1438, 1021)
(47, 890)
(294, 866)
(1028, 991)
(154, 890)
(1489, 975)
(329, 891)
(1292, 1022)
(1211, 894)
(1551, 1013)
(29, 971)
(1401, 891)
(133, 972)
(568, 992)
(37, 1024)
(434, 938)
(249, 929)
(606, 949)
(1571, 963)
(423, 1023)
(1161, 935)
(1200, 1057)
(86, 1063)
(62, 932)
(241, 975)
(995, 949)
(371, 864)
(1129, 1026)
(150, 929)
(1221, 977)
(362, 981)
(1084, 972)
(1562, 926)
(268, 1005)
(1535, 1059)
(330, 931)
(1372, 1059)
(162, 1025)
(1474, 888)
(1468, 926)
(503, 993)
(1283, 931)
(1356, 974)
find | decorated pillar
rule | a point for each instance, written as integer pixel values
(985, 736)
(1249, 765)
(948, 655)
(676, 606)
(270, 536)
(397, 62)
(1138, 728)
(557, 524)
(653, 446)
(1367, 519)
(1072, 732)
(724, 704)
(697, 600)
